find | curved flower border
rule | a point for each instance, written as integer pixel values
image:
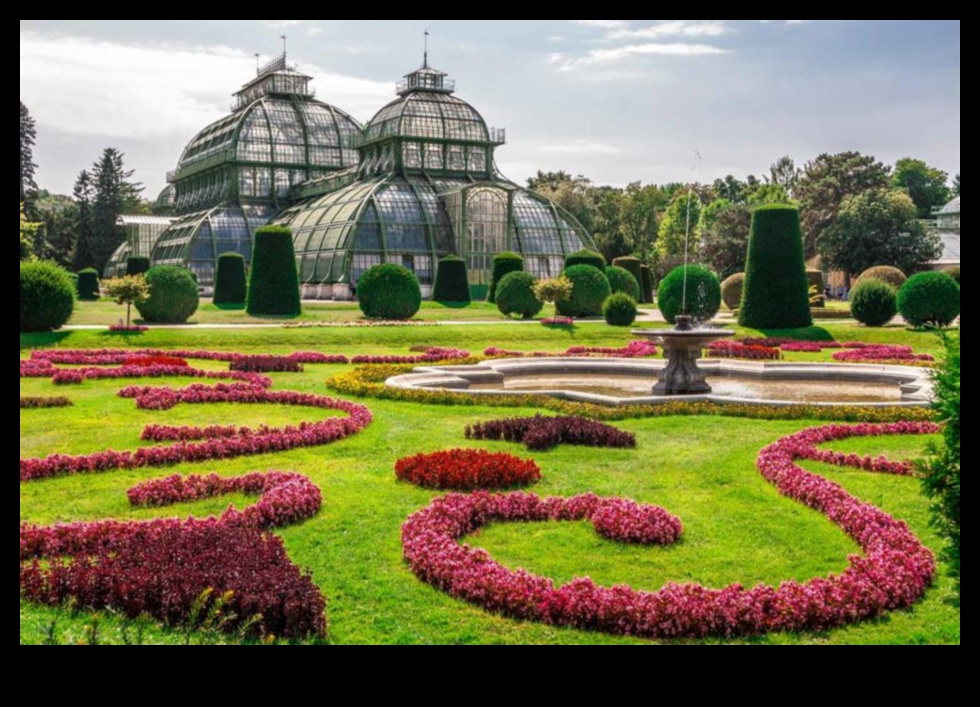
(894, 573)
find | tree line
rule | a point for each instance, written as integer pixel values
(77, 231)
(857, 212)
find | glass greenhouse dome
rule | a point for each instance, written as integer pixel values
(426, 186)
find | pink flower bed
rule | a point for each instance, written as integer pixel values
(266, 364)
(867, 353)
(558, 321)
(285, 498)
(894, 572)
(629, 522)
(433, 354)
(635, 349)
(467, 470)
(542, 433)
(210, 448)
(132, 329)
(68, 378)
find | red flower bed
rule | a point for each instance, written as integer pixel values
(467, 470)
(285, 498)
(132, 329)
(894, 572)
(542, 433)
(873, 353)
(41, 403)
(745, 352)
(432, 355)
(262, 442)
(636, 349)
(558, 321)
(162, 567)
(803, 347)
(629, 522)
(266, 364)
(150, 361)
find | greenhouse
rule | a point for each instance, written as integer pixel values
(141, 234)
(426, 187)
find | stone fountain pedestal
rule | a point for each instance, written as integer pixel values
(682, 347)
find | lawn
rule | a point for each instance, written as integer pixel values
(737, 527)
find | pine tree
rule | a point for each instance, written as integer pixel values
(114, 195)
(28, 134)
(83, 193)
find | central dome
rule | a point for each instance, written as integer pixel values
(428, 115)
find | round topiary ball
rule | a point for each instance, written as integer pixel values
(621, 280)
(619, 310)
(88, 285)
(47, 296)
(503, 264)
(515, 295)
(731, 290)
(930, 298)
(873, 302)
(173, 295)
(389, 292)
(887, 274)
(703, 293)
(590, 290)
(954, 272)
(586, 257)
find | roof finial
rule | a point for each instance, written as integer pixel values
(258, 69)
(425, 56)
(283, 37)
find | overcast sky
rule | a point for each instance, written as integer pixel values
(615, 100)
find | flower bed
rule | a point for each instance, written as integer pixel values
(558, 321)
(379, 324)
(150, 361)
(467, 470)
(42, 403)
(744, 352)
(161, 568)
(132, 329)
(266, 364)
(629, 522)
(542, 433)
(285, 498)
(881, 354)
(894, 573)
(433, 354)
(635, 349)
(68, 378)
(209, 449)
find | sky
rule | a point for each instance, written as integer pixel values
(618, 101)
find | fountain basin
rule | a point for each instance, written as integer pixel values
(682, 347)
(618, 382)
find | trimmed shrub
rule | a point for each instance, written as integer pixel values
(389, 292)
(590, 290)
(703, 293)
(646, 283)
(814, 279)
(137, 265)
(621, 280)
(873, 302)
(586, 257)
(230, 281)
(452, 281)
(619, 310)
(634, 266)
(88, 285)
(930, 298)
(954, 272)
(273, 285)
(503, 265)
(173, 295)
(515, 295)
(731, 291)
(47, 296)
(887, 274)
(775, 295)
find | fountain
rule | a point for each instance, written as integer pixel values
(682, 347)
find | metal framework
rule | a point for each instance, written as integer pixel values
(426, 187)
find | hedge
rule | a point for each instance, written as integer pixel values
(389, 292)
(590, 290)
(503, 264)
(230, 281)
(633, 266)
(273, 285)
(887, 274)
(930, 298)
(646, 282)
(873, 302)
(586, 257)
(703, 294)
(621, 280)
(731, 291)
(173, 295)
(47, 296)
(137, 265)
(452, 281)
(515, 295)
(619, 310)
(88, 285)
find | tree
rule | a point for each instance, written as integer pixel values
(570, 193)
(28, 232)
(730, 189)
(56, 238)
(725, 236)
(114, 195)
(611, 235)
(683, 215)
(762, 194)
(28, 134)
(926, 185)
(785, 174)
(878, 227)
(639, 207)
(83, 194)
(956, 185)
(128, 290)
(826, 182)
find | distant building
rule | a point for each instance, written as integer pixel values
(946, 223)
(417, 183)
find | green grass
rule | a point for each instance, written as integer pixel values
(702, 469)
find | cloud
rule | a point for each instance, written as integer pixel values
(602, 24)
(581, 147)
(602, 57)
(281, 24)
(83, 87)
(673, 28)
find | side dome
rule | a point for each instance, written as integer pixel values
(952, 207)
